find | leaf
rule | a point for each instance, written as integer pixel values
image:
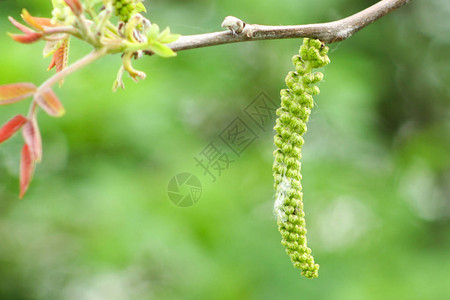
(11, 127)
(27, 165)
(50, 103)
(52, 64)
(75, 6)
(161, 50)
(51, 47)
(140, 7)
(28, 38)
(153, 32)
(30, 35)
(166, 37)
(61, 55)
(11, 93)
(36, 23)
(130, 28)
(32, 138)
(21, 27)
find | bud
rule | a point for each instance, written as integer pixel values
(75, 6)
(30, 36)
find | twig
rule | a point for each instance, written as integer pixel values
(56, 30)
(327, 32)
(93, 56)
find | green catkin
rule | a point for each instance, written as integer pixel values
(296, 105)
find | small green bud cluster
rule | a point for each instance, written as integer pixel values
(296, 105)
(125, 9)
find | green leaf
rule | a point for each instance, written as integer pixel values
(140, 7)
(153, 33)
(161, 50)
(166, 37)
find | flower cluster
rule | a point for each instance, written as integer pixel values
(296, 105)
(124, 9)
(62, 13)
(91, 21)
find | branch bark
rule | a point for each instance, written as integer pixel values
(330, 32)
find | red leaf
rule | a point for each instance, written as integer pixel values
(21, 27)
(28, 38)
(61, 55)
(32, 138)
(52, 63)
(11, 127)
(36, 23)
(75, 6)
(26, 170)
(15, 92)
(30, 35)
(49, 102)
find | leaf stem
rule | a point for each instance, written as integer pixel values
(63, 29)
(91, 57)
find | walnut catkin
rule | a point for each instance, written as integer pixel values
(296, 104)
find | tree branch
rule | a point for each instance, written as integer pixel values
(57, 77)
(327, 32)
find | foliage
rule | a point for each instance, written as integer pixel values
(97, 223)
(91, 23)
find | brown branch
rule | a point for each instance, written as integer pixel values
(327, 32)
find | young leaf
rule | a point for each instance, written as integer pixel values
(36, 23)
(52, 63)
(127, 66)
(11, 127)
(28, 38)
(32, 138)
(161, 50)
(49, 102)
(51, 47)
(75, 6)
(153, 33)
(166, 37)
(11, 93)
(21, 27)
(130, 28)
(30, 35)
(140, 7)
(62, 55)
(26, 170)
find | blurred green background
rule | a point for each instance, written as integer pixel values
(97, 222)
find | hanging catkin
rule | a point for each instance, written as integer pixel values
(296, 105)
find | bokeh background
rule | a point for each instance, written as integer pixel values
(97, 222)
